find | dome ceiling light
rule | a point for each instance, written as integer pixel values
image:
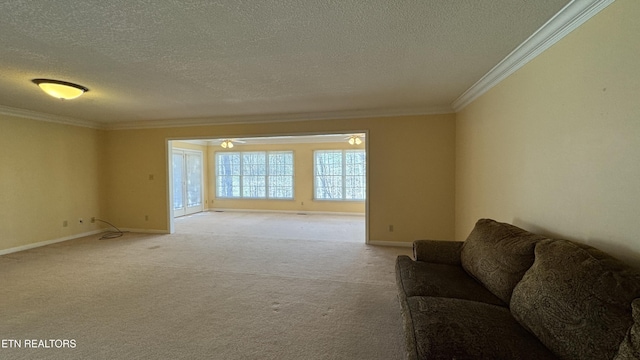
(60, 89)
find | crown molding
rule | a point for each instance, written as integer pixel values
(273, 118)
(340, 137)
(34, 115)
(194, 142)
(221, 120)
(560, 25)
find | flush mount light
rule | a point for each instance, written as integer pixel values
(60, 89)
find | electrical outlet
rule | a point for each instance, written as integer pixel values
(146, 218)
(390, 228)
(65, 223)
(93, 219)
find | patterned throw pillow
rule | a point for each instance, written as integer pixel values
(498, 254)
(576, 300)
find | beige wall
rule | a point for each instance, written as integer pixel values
(410, 163)
(303, 181)
(49, 173)
(555, 148)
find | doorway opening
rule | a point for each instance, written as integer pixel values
(323, 174)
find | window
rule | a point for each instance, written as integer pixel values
(254, 170)
(340, 175)
(280, 175)
(255, 174)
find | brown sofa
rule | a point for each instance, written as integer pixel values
(506, 293)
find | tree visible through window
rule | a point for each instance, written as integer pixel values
(340, 174)
(255, 174)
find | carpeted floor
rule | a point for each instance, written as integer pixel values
(224, 286)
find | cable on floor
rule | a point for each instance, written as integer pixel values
(111, 234)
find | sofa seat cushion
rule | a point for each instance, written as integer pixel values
(462, 329)
(498, 254)
(576, 300)
(418, 278)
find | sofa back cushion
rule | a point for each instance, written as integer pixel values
(576, 300)
(498, 255)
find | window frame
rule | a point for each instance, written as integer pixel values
(343, 175)
(266, 176)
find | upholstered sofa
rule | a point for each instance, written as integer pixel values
(506, 293)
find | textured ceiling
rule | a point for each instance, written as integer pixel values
(158, 60)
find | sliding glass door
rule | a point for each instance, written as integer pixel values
(187, 181)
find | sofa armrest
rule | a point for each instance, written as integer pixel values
(438, 251)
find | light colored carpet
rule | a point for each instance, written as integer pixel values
(341, 228)
(268, 287)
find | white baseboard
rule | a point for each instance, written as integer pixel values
(299, 212)
(77, 236)
(145, 231)
(391, 243)
(48, 242)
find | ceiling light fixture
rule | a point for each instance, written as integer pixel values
(355, 140)
(227, 144)
(60, 89)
